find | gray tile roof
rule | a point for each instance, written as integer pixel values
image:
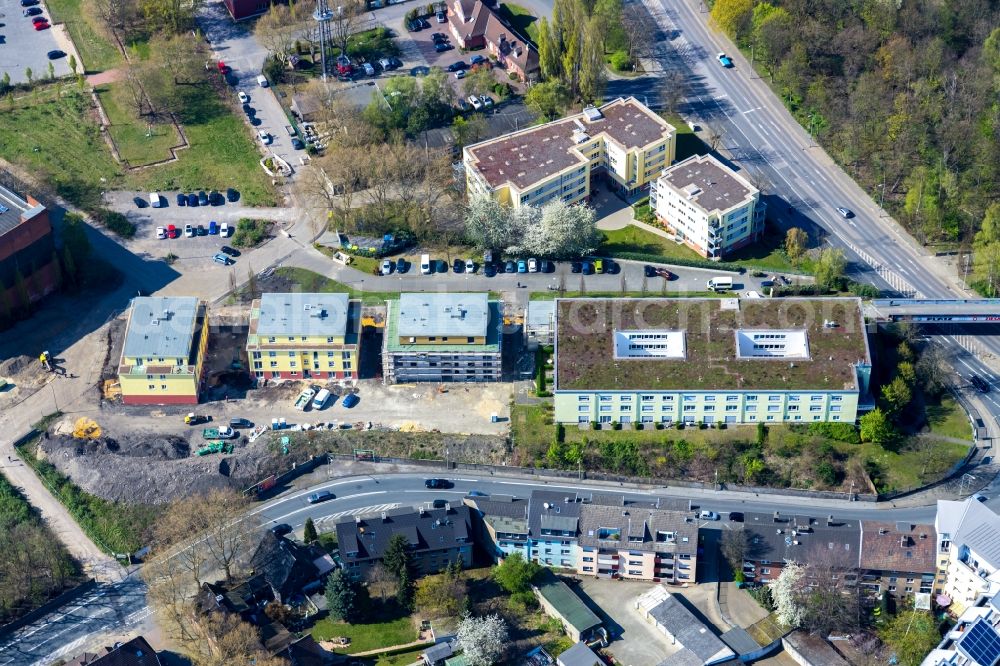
(683, 658)
(445, 315)
(11, 208)
(299, 314)
(638, 527)
(579, 655)
(673, 616)
(161, 327)
(366, 537)
(564, 504)
(802, 539)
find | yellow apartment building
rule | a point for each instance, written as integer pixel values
(304, 336)
(165, 342)
(622, 140)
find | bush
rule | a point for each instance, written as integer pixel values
(274, 70)
(636, 425)
(249, 232)
(615, 425)
(594, 425)
(620, 61)
(115, 222)
(511, 75)
(841, 432)
(560, 433)
(863, 290)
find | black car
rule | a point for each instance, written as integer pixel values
(489, 270)
(412, 26)
(736, 516)
(442, 47)
(281, 529)
(981, 384)
(247, 109)
(649, 271)
(200, 230)
(232, 195)
(458, 266)
(587, 268)
(192, 199)
(321, 496)
(232, 252)
(438, 483)
(441, 266)
(215, 198)
(202, 198)
(140, 202)
(576, 267)
(395, 62)
(181, 200)
(547, 266)
(297, 144)
(401, 265)
(238, 423)
(55, 54)
(28, 3)
(32, 11)
(510, 267)
(612, 267)
(455, 66)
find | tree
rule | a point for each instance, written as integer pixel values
(397, 560)
(637, 30)
(515, 573)
(876, 428)
(309, 534)
(340, 596)
(345, 22)
(593, 71)
(548, 50)
(732, 17)
(547, 99)
(28, 74)
(487, 224)
(469, 130)
(673, 89)
(277, 31)
(71, 62)
(444, 594)
(478, 82)
(562, 231)
(796, 241)
(134, 94)
(483, 639)
(784, 591)
(382, 583)
(772, 33)
(911, 635)
(829, 606)
(896, 395)
(734, 548)
(173, 15)
(830, 267)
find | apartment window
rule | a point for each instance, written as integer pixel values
(690, 408)
(256, 354)
(272, 354)
(836, 398)
(709, 398)
(647, 398)
(293, 364)
(347, 365)
(583, 398)
(626, 408)
(774, 408)
(152, 387)
(291, 354)
(765, 571)
(709, 408)
(732, 398)
(732, 408)
(690, 398)
(793, 398)
(583, 408)
(774, 398)
(815, 408)
(274, 364)
(667, 398)
(605, 398)
(793, 408)
(751, 398)
(605, 408)
(834, 408)
(329, 341)
(815, 398)
(625, 398)
(647, 408)
(163, 386)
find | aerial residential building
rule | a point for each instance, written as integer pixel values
(436, 537)
(622, 139)
(898, 558)
(27, 250)
(968, 536)
(690, 640)
(775, 539)
(811, 650)
(134, 652)
(710, 360)
(164, 349)
(579, 655)
(500, 523)
(710, 207)
(442, 338)
(304, 336)
(474, 24)
(975, 638)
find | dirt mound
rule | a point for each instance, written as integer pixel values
(157, 447)
(14, 366)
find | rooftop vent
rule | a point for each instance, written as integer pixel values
(383, 516)
(592, 113)
(357, 520)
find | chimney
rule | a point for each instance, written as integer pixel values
(357, 519)
(421, 510)
(383, 516)
(447, 507)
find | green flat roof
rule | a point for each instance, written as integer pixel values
(493, 331)
(585, 345)
(571, 607)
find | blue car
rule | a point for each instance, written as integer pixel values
(522, 266)
(725, 60)
(192, 199)
(476, 59)
(181, 200)
(213, 228)
(350, 400)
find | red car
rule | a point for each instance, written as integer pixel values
(42, 26)
(171, 231)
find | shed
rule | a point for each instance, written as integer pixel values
(560, 602)
(809, 650)
(306, 107)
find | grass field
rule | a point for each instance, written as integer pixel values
(521, 20)
(59, 142)
(366, 637)
(634, 239)
(96, 49)
(309, 281)
(688, 143)
(949, 420)
(129, 133)
(914, 463)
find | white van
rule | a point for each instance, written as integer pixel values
(262, 81)
(720, 283)
(154, 199)
(425, 264)
(319, 402)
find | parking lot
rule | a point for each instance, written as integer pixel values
(21, 46)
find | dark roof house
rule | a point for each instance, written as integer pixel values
(136, 652)
(242, 599)
(367, 537)
(782, 537)
(289, 568)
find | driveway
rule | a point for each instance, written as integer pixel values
(234, 44)
(634, 642)
(21, 46)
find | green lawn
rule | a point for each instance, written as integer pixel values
(59, 142)
(130, 134)
(366, 637)
(221, 154)
(688, 143)
(634, 239)
(916, 462)
(401, 659)
(308, 281)
(949, 420)
(521, 20)
(96, 49)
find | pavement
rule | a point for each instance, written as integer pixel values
(21, 46)
(634, 642)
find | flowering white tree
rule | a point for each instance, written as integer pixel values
(563, 231)
(488, 224)
(483, 639)
(785, 592)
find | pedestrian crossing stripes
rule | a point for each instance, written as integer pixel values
(378, 508)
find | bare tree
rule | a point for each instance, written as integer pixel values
(831, 600)
(276, 31)
(673, 89)
(346, 21)
(638, 30)
(734, 547)
(134, 95)
(382, 583)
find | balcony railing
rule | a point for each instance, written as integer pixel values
(173, 370)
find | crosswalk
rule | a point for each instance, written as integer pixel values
(366, 510)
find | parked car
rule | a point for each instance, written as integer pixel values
(192, 199)
(708, 515)
(575, 267)
(522, 266)
(321, 496)
(458, 266)
(532, 265)
(649, 271)
(237, 423)
(232, 252)
(215, 198)
(386, 266)
(29, 3)
(395, 62)
(172, 231)
(846, 213)
(200, 230)
(413, 25)
(486, 100)
(243, 97)
(439, 503)
(441, 47)
(41, 26)
(489, 270)
(547, 266)
(281, 529)
(435, 484)
(202, 198)
(55, 54)
(477, 493)
(350, 400)
(232, 195)
(224, 230)
(980, 384)
(725, 60)
(476, 59)
(736, 516)
(188, 231)
(470, 266)
(32, 11)
(475, 102)
(385, 64)
(401, 266)
(441, 18)
(368, 69)
(510, 267)
(456, 66)
(139, 202)
(460, 74)
(39, 19)
(297, 144)
(213, 227)
(586, 268)
(463, 106)
(161, 233)
(181, 200)
(665, 274)
(439, 38)
(264, 136)
(222, 259)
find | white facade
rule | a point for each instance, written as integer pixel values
(969, 550)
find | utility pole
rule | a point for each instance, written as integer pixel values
(322, 15)
(752, 47)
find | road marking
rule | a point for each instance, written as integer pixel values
(377, 508)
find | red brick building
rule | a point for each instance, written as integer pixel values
(474, 25)
(242, 9)
(27, 249)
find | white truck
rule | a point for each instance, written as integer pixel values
(304, 399)
(720, 284)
